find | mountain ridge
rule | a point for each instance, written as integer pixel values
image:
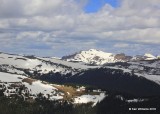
(98, 57)
(62, 71)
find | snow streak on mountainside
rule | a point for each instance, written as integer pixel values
(149, 69)
(74, 65)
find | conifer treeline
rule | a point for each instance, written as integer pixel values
(110, 105)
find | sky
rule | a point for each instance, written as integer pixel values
(62, 27)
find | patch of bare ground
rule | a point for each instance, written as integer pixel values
(28, 80)
(69, 91)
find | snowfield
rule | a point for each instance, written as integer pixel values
(139, 69)
(75, 65)
(154, 78)
(90, 98)
(34, 89)
(17, 64)
(46, 89)
(6, 77)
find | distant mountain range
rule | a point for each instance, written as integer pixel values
(97, 57)
(138, 75)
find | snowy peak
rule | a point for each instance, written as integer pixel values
(97, 57)
(158, 57)
(149, 56)
(92, 56)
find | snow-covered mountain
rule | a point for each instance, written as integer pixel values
(28, 65)
(149, 69)
(149, 56)
(79, 68)
(97, 57)
(94, 57)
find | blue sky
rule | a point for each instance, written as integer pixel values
(95, 5)
(62, 27)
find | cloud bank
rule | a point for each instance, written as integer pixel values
(59, 27)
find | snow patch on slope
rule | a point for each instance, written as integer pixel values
(6, 77)
(34, 89)
(70, 64)
(10, 63)
(149, 56)
(90, 98)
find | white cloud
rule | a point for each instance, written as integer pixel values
(121, 45)
(59, 23)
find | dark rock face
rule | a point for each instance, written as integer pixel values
(120, 56)
(123, 57)
(97, 58)
(69, 56)
(139, 58)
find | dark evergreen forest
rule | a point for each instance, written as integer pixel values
(110, 105)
